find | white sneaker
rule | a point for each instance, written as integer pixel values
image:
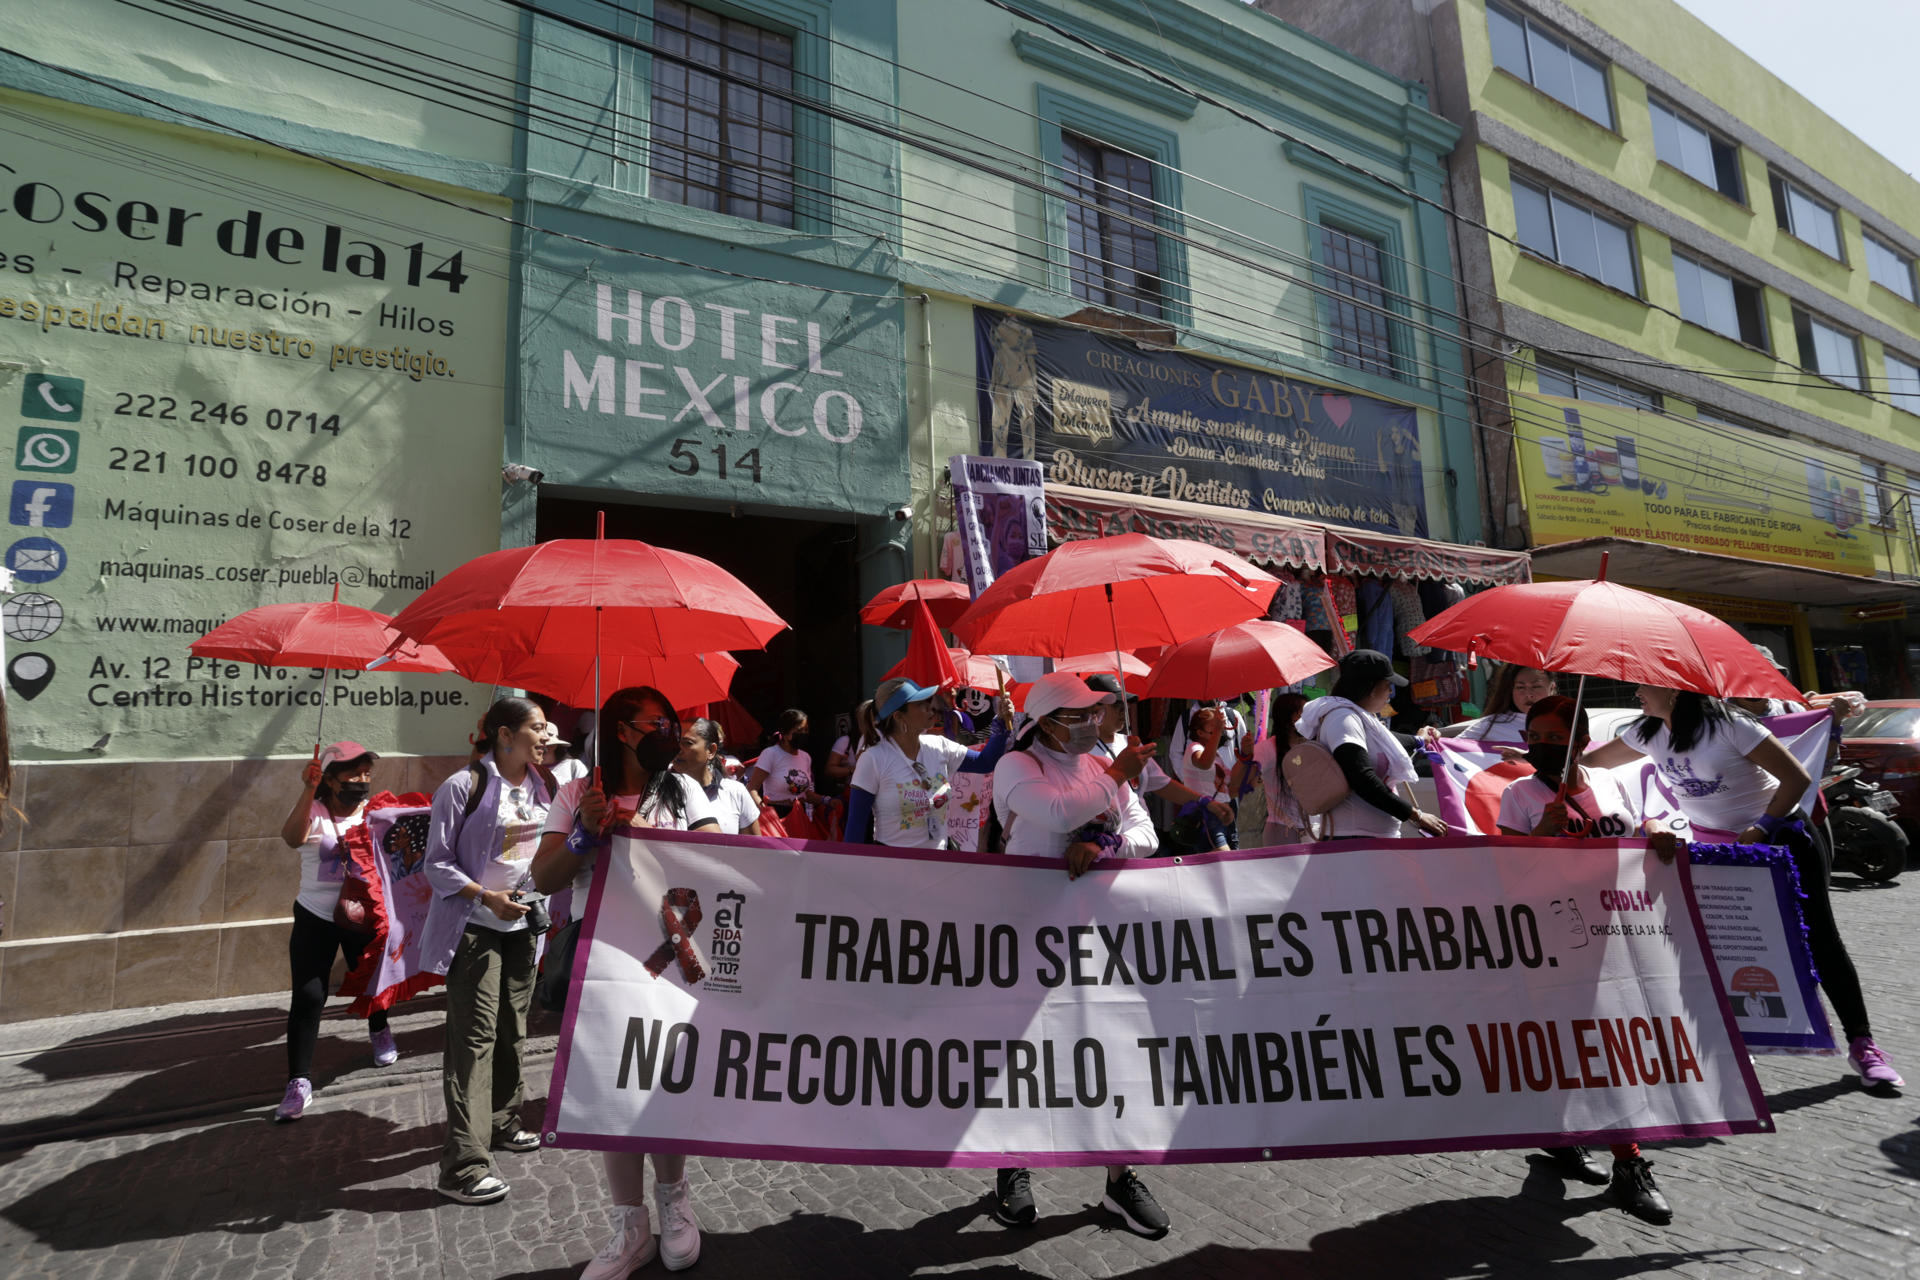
(679, 1231)
(630, 1248)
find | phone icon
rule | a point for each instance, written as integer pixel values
(47, 449)
(47, 395)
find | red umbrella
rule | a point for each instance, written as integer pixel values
(893, 606)
(977, 671)
(328, 636)
(687, 679)
(1235, 660)
(1593, 627)
(588, 596)
(1131, 668)
(1116, 593)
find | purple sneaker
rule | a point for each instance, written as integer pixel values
(385, 1051)
(294, 1105)
(1875, 1071)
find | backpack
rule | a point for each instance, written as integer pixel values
(1314, 777)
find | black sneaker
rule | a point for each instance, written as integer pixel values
(1633, 1190)
(1578, 1162)
(1129, 1197)
(1013, 1198)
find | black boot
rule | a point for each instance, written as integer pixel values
(1578, 1162)
(1013, 1198)
(1633, 1190)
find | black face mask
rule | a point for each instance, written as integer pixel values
(657, 749)
(352, 794)
(1548, 758)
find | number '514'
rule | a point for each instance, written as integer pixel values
(686, 450)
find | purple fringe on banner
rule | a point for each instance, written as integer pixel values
(1762, 855)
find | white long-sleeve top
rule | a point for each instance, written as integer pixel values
(1043, 796)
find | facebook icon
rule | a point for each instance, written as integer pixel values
(41, 504)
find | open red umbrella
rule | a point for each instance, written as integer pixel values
(1236, 660)
(893, 606)
(1131, 668)
(327, 636)
(977, 671)
(686, 678)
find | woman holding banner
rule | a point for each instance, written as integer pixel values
(1592, 805)
(900, 785)
(1054, 796)
(1729, 774)
(639, 739)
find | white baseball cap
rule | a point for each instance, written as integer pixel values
(1062, 690)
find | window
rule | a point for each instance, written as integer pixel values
(1903, 383)
(1705, 157)
(1358, 334)
(1826, 350)
(1716, 300)
(1878, 502)
(1804, 217)
(1113, 248)
(1890, 268)
(721, 143)
(1584, 384)
(1548, 63)
(1572, 235)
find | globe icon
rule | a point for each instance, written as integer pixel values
(32, 616)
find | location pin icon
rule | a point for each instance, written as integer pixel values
(29, 673)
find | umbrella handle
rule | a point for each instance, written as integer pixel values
(1566, 769)
(320, 725)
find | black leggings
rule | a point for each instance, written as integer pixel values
(1830, 958)
(310, 951)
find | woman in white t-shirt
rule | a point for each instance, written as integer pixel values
(1596, 806)
(848, 746)
(1729, 774)
(784, 772)
(1510, 695)
(901, 783)
(1347, 723)
(702, 761)
(332, 800)
(639, 739)
(1204, 764)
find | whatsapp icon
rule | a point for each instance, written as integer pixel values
(47, 450)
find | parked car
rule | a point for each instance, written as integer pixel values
(1884, 741)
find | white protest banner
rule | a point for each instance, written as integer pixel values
(1749, 898)
(858, 1005)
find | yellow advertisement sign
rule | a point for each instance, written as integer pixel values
(1591, 470)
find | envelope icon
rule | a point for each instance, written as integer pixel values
(36, 560)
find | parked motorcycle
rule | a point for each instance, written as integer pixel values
(1867, 842)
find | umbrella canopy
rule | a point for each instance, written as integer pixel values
(1115, 593)
(1131, 668)
(1236, 660)
(328, 636)
(893, 606)
(581, 596)
(1597, 628)
(687, 679)
(977, 671)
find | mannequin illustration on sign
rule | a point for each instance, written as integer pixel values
(1014, 384)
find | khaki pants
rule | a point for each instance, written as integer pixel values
(489, 990)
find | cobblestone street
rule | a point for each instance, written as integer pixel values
(137, 1145)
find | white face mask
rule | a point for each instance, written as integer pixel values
(1080, 738)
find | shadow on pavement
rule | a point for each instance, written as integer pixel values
(191, 1184)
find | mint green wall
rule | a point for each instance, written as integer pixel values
(981, 223)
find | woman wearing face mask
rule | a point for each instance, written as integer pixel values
(702, 761)
(900, 785)
(1347, 723)
(784, 772)
(333, 799)
(639, 739)
(1728, 773)
(1054, 796)
(479, 850)
(1595, 806)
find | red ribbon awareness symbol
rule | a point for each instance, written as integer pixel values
(679, 916)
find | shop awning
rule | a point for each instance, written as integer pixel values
(1093, 513)
(1657, 566)
(1300, 544)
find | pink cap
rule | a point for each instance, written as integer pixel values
(344, 751)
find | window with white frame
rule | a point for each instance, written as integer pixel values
(1903, 383)
(1696, 151)
(1830, 352)
(1561, 228)
(1550, 63)
(1113, 248)
(1889, 268)
(1721, 302)
(1575, 383)
(1805, 217)
(721, 135)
